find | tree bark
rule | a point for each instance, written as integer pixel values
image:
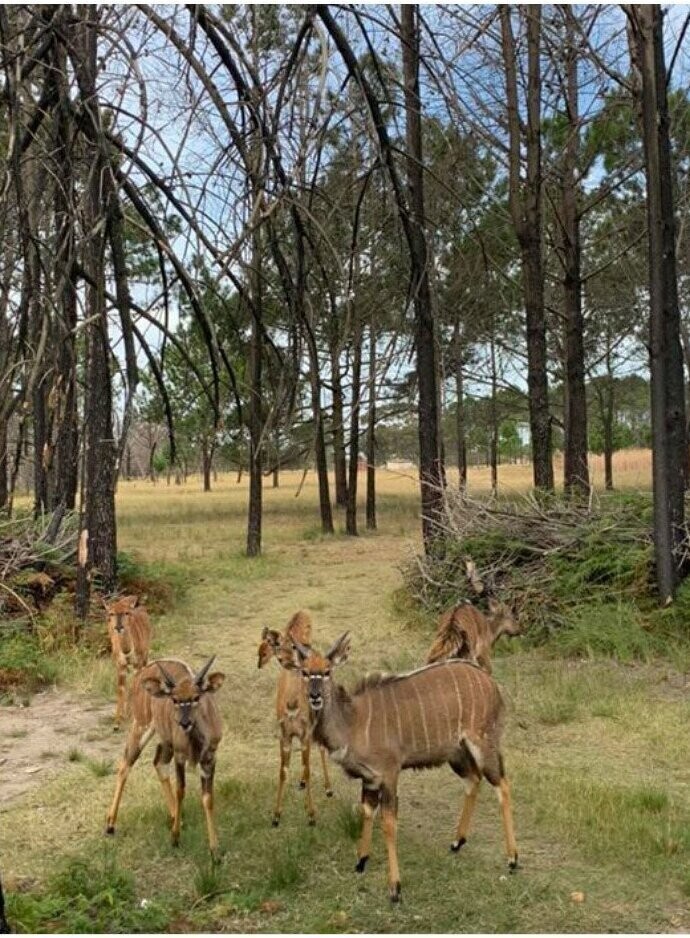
(255, 507)
(371, 431)
(430, 469)
(526, 212)
(339, 459)
(460, 431)
(666, 363)
(100, 448)
(351, 511)
(576, 470)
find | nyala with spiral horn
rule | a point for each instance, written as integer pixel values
(167, 698)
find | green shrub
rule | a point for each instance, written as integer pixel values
(23, 664)
(86, 896)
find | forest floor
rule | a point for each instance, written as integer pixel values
(598, 754)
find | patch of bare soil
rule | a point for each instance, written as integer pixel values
(36, 740)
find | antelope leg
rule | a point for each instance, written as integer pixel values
(306, 776)
(370, 801)
(505, 802)
(208, 768)
(161, 763)
(285, 753)
(179, 798)
(326, 776)
(121, 693)
(465, 819)
(136, 741)
(389, 823)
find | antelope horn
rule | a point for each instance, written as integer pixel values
(170, 681)
(337, 644)
(198, 680)
(304, 650)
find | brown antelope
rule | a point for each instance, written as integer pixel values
(292, 709)
(129, 628)
(167, 698)
(450, 712)
(465, 632)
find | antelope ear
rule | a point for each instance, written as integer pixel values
(155, 687)
(264, 632)
(133, 601)
(494, 606)
(213, 682)
(340, 649)
(294, 658)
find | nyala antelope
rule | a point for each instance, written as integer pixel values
(465, 632)
(450, 712)
(129, 628)
(292, 709)
(167, 698)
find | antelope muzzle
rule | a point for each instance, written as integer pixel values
(315, 691)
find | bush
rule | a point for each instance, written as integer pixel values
(87, 896)
(579, 576)
(160, 586)
(23, 664)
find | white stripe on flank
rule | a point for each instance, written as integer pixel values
(410, 724)
(472, 696)
(423, 715)
(397, 712)
(457, 694)
(448, 720)
(368, 725)
(385, 719)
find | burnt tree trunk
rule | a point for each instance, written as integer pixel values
(526, 212)
(430, 469)
(666, 363)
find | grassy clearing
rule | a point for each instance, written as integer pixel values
(597, 752)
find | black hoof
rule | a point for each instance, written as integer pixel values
(455, 846)
(312, 822)
(329, 792)
(395, 893)
(116, 728)
(360, 866)
(276, 820)
(513, 864)
(302, 783)
(110, 829)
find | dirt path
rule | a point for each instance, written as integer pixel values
(37, 741)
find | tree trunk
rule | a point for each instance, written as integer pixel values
(255, 507)
(371, 432)
(493, 429)
(666, 364)
(100, 449)
(576, 470)
(67, 437)
(460, 412)
(4, 465)
(430, 469)
(206, 465)
(351, 512)
(525, 207)
(339, 460)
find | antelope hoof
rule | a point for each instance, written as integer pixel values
(110, 829)
(302, 784)
(175, 840)
(513, 864)
(329, 792)
(276, 820)
(395, 892)
(455, 846)
(361, 864)
(116, 727)
(312, 821)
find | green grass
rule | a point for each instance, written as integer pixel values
(596, 747)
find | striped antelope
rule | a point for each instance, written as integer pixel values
(465, 632)
(167, 698)
(450, 712)
(292, 710)
(129, 629)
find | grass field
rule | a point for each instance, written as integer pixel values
(598, 753)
